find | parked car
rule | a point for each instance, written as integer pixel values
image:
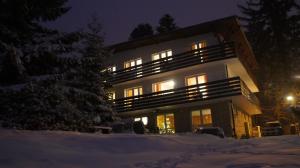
(272, 128)
(217, 131)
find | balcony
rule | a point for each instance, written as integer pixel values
(195, 93)
(183, 60)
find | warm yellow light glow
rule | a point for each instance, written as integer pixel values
(297, 76)
(290, 98)
(161, 86)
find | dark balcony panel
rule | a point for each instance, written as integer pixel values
(186, 59)
(207, 91)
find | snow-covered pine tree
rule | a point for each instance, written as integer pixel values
(84, 82)
(63, 89)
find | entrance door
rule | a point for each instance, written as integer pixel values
(165, 123)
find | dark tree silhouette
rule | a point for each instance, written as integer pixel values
(142, 30)
(273, 30)
(20, 25)
(166, 24)
(64, 88)
(21, 18)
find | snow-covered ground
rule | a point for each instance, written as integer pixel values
(45, 149)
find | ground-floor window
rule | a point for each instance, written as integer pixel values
(143, 119)
(165, 123)
(201, 117)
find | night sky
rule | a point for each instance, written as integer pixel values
(119, 17)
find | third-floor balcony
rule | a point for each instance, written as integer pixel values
(178, 61)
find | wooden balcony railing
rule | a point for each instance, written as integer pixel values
(186, 59)
(207, 91)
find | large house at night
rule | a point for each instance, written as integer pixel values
(196, 76)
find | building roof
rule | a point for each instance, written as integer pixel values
(176, 34)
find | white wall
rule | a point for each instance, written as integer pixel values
(177, 46)
(213, 72)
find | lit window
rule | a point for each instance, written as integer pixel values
(137, 119)
(136, 91)
(198, 46)
(110, 69)
(196, 119)
(143, 119)
(201, 118)
(130, 92)
(160, 55)
(132, 64)
(162, 86)
(169, 53)
(165, 123)
(127, 64)
(206, 116)
(111, 95)
(138, 61)
(196, 80)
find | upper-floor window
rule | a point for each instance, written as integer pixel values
(132, 63)
(130, 92)
(135, 91)
(199, 45)
(162, 54)
(112, 68)
(111, 95)
(162, 86)
(196, 80)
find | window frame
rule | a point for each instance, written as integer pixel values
(160, 54)
(132, 89)
(135, 62)
(195, 75)
(201, 117)
(153, 85)
(197, 44)
(111, 95)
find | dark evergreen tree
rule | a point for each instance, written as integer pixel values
(273, 31)
(166, 24)
(142, 30)
(20, 25)
(60, 85)
(85, 83)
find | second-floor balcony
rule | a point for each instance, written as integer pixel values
(178, 61)
(232, 87)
